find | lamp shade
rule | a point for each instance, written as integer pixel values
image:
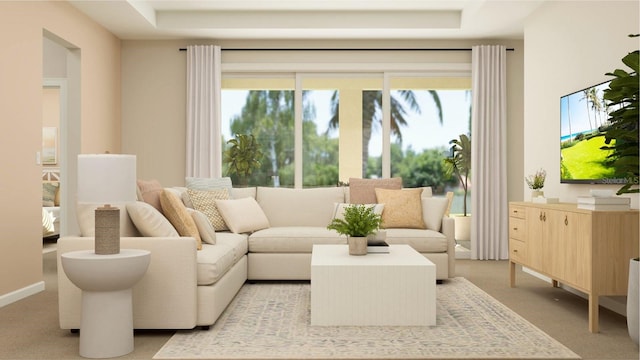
(106, 178)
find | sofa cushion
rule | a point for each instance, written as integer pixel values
(242, 192)
(362, 191)
(242, 215)
(402, 208)
(422, 240)
(299, 207)
(177, 214)
(292, 239)
(215, 260)
(149, 221)
(205, 201)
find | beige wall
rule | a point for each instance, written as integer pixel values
(154, 91)
(21, 70)
(569, 45)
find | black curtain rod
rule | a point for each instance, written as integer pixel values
(344, 49)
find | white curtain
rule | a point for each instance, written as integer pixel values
(204, 158)
(489, 240)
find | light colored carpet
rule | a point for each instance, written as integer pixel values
(272, 321)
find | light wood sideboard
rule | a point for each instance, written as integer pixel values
(584, 249)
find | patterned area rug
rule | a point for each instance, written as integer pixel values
(272, 321)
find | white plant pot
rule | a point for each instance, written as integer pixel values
(536, 193)
(633, 313)
(462, 228)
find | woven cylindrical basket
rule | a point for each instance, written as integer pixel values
(107, 238)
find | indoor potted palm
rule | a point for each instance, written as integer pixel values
(243, 157)
(459, 164)
(359, 222)
(621, 137)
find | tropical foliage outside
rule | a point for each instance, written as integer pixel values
(269, 116)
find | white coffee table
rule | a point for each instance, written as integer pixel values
(394, 289)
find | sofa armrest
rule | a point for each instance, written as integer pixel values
(449, 230)
(165, 298)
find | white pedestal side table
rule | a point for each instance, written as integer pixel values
(106, 328)
(394, 289)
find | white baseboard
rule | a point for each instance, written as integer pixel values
(617, 304)
(20, 294)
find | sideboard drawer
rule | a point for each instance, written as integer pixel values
(517, 250)
(516, 211)
(517, 228)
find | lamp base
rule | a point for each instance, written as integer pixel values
(107, 238)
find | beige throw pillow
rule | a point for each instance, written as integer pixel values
(149, 221)
(362, 191)
(206, 230)
(243, 215)
(205, 202)
(433, 209)
(402, 208)
(179, 217)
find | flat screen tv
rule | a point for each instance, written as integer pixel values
(583, 118)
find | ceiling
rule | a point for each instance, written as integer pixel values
(311, 19)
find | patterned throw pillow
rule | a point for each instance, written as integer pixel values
(205, 202)
(402, 208)
(49, 191)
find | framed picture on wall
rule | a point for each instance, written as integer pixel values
(49, 145)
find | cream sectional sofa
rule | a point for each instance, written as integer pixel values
(185, 287)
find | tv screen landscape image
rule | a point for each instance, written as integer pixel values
(583, 118)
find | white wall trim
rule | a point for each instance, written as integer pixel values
(616, 304)
(20, 294)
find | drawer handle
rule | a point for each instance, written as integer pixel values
(515, 251)
(515, 229)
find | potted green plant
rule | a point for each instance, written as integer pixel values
(359, 222)
(459, 164)
(621, 138)
(536, 183)
(243, 156)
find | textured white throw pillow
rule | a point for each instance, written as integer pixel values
(149, 221)
(242, 215)
(206, 230)
(433, 209)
